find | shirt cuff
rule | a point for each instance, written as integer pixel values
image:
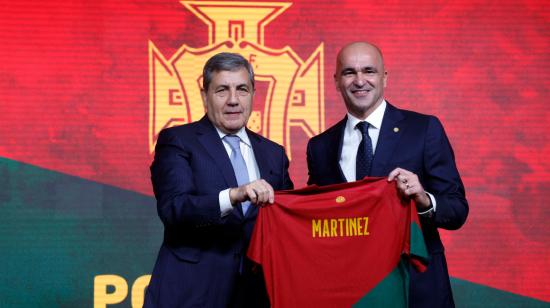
(432, 198)
(431, 210)
(225, 203)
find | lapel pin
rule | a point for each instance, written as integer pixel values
(396, 129)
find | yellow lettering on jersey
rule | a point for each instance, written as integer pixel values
(366, 220)
(352, 227)
(325, 228)
(333, 226)
(341, 221)
(340, 227)
(316, 227)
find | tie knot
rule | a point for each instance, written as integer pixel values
(233, 141)
(363, 127)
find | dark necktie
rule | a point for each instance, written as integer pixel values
(365, 156)
(239, 165)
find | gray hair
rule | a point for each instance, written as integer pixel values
(225, 61)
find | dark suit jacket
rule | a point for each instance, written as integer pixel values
(418, 143)
(199, 262)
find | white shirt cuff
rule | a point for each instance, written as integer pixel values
(433, 200)
(225, 203)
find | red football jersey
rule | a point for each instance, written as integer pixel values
(338, 245)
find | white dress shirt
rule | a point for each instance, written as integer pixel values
(353, 136)
(251, 165)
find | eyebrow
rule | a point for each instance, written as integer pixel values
(237, 86)
(364, 68)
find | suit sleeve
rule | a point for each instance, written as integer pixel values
(443, 180)
(310, 165)
(287, 182)
(178, 202)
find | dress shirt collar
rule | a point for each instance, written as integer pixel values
(374, 119)
(241, 134)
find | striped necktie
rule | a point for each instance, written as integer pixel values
(239, 165)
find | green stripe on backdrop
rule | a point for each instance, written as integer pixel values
(57, 232)
(468, 294)
(389, 293)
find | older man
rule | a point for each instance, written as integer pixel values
(209, 177)
(378, 139)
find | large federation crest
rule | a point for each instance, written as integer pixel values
(289, 91)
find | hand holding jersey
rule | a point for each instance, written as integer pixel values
(409, 186)
(259, 192)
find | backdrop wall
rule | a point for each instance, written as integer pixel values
(85, 87)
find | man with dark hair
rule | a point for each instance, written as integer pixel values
(209, 177)
(412, 149)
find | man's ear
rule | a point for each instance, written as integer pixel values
(203, 96)
(335, 82)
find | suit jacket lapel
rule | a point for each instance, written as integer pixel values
(260, 155)
(334, 153)
(210, 140)
(263, 165)
(390, 133)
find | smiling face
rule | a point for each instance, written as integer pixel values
(228, 99)
(361, 78)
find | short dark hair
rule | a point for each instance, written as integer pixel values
(225, 61)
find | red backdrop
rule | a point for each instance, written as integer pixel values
(75, 88)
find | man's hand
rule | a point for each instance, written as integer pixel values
(258, 192)
(409, 186)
